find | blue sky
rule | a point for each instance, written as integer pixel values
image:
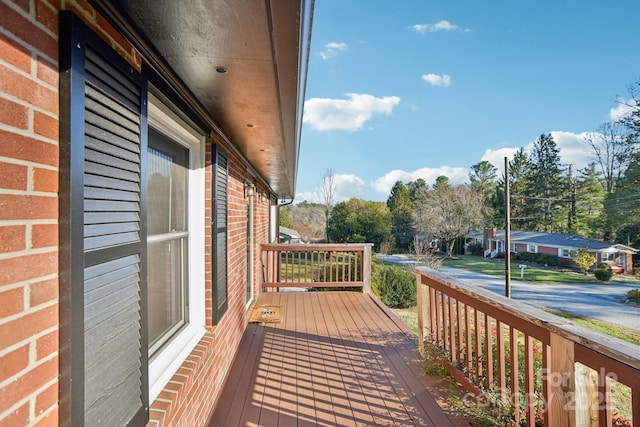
(407, 89)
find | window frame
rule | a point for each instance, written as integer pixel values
(165, 362)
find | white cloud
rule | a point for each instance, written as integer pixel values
(456, 176)
(438, 26)
(332, 48)
(624, 108)
(572, 146)
(443, 80)
(346, 114)
(347, 186)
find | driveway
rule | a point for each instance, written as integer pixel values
(598, 301)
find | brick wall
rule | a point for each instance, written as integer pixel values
(29, 153)
(28, 214)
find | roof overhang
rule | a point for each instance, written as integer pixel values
(243, 63)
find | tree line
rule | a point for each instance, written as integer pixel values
(600, 201)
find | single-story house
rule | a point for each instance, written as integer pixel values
(619, 256)
(288, 235)
(145, 149)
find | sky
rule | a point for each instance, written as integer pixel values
(407, 89)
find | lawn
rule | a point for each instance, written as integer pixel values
(533, 273)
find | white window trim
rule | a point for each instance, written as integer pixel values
(164, 364)
(561, 252)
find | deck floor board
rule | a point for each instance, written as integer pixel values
(335, 359)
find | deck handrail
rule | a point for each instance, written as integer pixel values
(543, 367)
(317, 265)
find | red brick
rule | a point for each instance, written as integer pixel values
(45, 180)
(18, 207)
(26, 326)
(15, 55)
(46, 399)
(47, 72)
(47, 345)
(43, 292)
(14, 177)
(22, 268)
(14, 114)
(24, 148)
(51, 420)
(13, 239)
(46, 126)
(14, 362)
(23, 386)
(28, 90)
(19, 417)
(47, 16)
(44, 235)
(24, 30)
(11, 302)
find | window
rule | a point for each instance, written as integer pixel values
(608, 256)
(532, 249)
(564, 253)
(175, 252)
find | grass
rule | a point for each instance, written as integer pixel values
(627, 335)
(533, 273)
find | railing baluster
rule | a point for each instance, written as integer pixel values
(502, 376)
(489, 350)
(478, 329)
(467, 326)
(515, 378)
(530, 406)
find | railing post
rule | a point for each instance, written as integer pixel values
(424, 310)
(366, 268)
(586, 384)
(559, 380)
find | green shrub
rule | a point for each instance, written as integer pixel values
(475, 248)
(396, 286)
(603, 274)
(634, 294)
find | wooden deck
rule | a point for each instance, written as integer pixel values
(335, 359)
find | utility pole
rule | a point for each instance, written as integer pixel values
(507, 232)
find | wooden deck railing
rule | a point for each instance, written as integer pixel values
(317, 265)
(539, 367)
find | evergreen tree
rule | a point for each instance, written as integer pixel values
(399, 203)
(482, 179)
(519, 172)
(415, 188)
(546, 204)
(589, 203)
(623, 206)
(360, 221)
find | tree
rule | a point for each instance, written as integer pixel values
(399, 204)
(546, 204)
(612, 149)
(285, 221)
(482, 178)
(447, 213)
(415, 188)
(589, 204)
(328, 192)
(623, 206)
(519, 173)
(584, 260)
(360, 221)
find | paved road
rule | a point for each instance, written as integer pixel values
(598, 301)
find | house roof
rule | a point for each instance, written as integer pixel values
(288, 233)
(241, 65)
(560, 240)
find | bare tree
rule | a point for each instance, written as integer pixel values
(612, 150)
(446, 213)
(328, 193)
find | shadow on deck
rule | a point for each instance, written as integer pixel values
(336, 358)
